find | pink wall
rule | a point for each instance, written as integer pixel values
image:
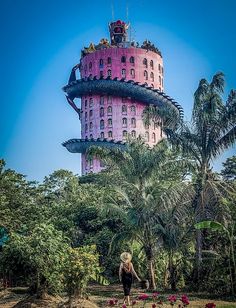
(91, 105)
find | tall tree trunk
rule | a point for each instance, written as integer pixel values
(151, 271)
(172, 271)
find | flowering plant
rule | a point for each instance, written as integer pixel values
(210, 305)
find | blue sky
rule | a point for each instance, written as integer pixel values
(41, 40)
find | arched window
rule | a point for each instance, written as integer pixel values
(145, 63)
(124, 122)
(159, 67)
(153, 137)
(109, 60)
(101, 62)
(91, 136)
(133, 109)
(151, 64)
(85, 104)
(131, 60)
(85, 68)
(162, 70)
(133, 134)
(109, 73)
(101, 112)
(102, 124)
(160, 80)
(109, 99)
(145, 75)
(133, 122)
(123, 59)
(90, 102)
(86, 127)
(90, 125)
(86, 116)
(90, 65)
(147, 136)
(109, 110)
(110, 134)
(90, 113)
(124, 134)
(102, 135)
(101, 100)
(152, 76)
(124, 109)
(123, 72)
(132, 73)
(101, 73)
(109, 122)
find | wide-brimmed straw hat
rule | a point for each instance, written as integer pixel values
(125, 257)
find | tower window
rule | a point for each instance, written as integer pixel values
(85, 104)
(91, 136)
(90, 125)
(153, 137)
(152, 76)
(132, 73)
(109, 60)
(101, 100)
(90, 102)
(109, 73)
(110, 134)
(133, 122)
(123, 59)
(109, 122)
(133, 109)
(101, 62)
(145, 63)
(90, 65)
(160, 80)
(133, 134)
(124, 134)
(123, 73)
(90, 113)
(102, 124)
(86, 127)
(147, 136)
(151, 64)
(86, 116)
(109, 99)
(101, 73)
(102, 135)
(124, 109)
(159, 67)
(109, 110)
(101, 112)
(145, 75)
(131, 60)
(124, 122)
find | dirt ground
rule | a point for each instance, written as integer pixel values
(98, 297)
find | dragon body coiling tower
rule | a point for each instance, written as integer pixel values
(118, 80)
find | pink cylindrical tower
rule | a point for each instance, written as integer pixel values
(118, 80)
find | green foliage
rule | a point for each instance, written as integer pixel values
(229, 171)
(80, 266)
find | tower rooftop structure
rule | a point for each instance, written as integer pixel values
(118, 79)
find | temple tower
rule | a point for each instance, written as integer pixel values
(118, 80)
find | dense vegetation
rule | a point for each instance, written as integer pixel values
(60, 234)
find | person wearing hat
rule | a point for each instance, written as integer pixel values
(126, 275)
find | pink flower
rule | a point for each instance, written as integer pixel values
(155, 295)
(111, 302)
(184, 299)
(210, 305)
(134, 303)
(124, 306)
(172, 299)
(143, 297)
(154, 305)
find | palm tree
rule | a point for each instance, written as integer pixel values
(148, 183)
(211, 131)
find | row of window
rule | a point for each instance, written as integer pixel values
(125, 135)
(124, 60)
(109, 111)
